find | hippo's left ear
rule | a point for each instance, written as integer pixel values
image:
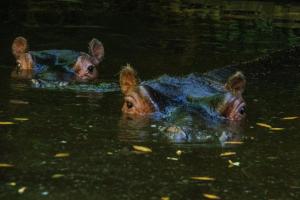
(236, 83)
(128, 79)
(96, 50)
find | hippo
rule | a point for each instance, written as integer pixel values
(79, 64)
(201, 93)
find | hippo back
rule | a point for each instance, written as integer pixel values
(180, 88)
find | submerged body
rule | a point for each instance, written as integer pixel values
(199, 92)
(81, 65)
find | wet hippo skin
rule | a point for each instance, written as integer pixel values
(198, 92)
(79, 64)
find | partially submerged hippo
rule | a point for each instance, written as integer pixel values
(196, 92)
(80, 64)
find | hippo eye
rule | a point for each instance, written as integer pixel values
(129, 104)
(90, 69)
(242, 110)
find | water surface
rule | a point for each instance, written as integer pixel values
(156, 38)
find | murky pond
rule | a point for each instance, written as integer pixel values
(70, 143)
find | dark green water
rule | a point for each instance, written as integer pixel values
(156, 38)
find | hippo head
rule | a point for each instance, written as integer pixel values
(228, 102)
(85, 66)
(233, 105)
(20, 51)
(138, 99)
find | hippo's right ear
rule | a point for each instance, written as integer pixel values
(128, 79)
(96, 50)
(19, 46)
(236, 83)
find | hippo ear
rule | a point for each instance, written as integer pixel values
(19, 46)
(128, 79)
(96, 50)
(236, 83)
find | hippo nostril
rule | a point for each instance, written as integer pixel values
(90, 69)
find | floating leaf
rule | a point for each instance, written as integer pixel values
(61, 155)
(12, 184)
(277, 129)
(20, 119)
(5, 165)
(290, 118)
(264, 125)
(165, 198)
(15, 101)
(172, 158)
(6, 123)
(203, 178)
(234, 142)
(231, 164)
(211, 196)
(227, 154)
(55, 176)
(45, 193)
(142, 149)
(179, 152)
(22, 190)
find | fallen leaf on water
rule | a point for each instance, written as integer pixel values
(179, 152)
(61, 155)
(211, 196)
(231, 164)
(172, 158)
(55, 176)
(20, 119)
(142, 149)
(276, 129)
(227, 154)
(165, 198)
(234, 142)
(6, 123)
(203, 178)
(264, 125)
(15, 101)
(22, 190)
(290, 118)
(12, 184)
(5, 165)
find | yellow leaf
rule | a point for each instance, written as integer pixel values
(290, 118)
(203, 178)
(231, 164)
(211, 196)
(172, 158)
(5, 165)
(22, 190)
(234, 142)
(165, 198)
(6, 123)
(20, 119)
(55, 176)
(61, 155)
(142, 149)
(12, 184)
(264, 125)
(179, 152)
(227, 154)
(15, 101)
(276, 129)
